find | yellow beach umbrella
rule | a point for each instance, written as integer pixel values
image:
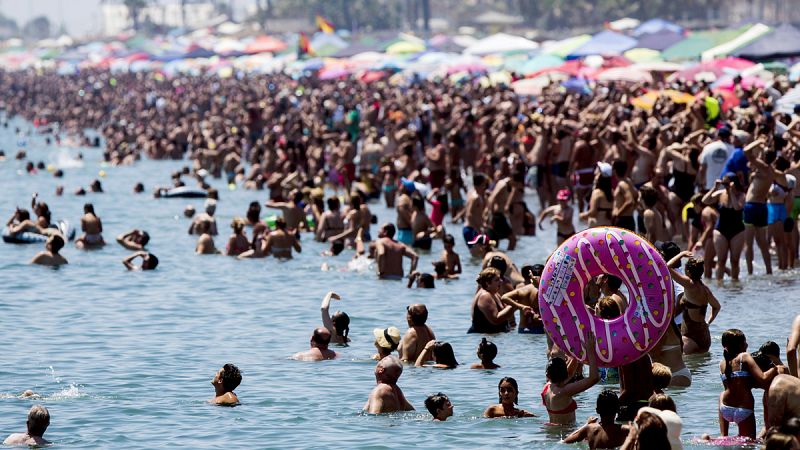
(647, 100)
(405, 47)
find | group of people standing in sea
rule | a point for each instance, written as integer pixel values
(704, 183)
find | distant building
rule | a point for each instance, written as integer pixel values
(198, 15)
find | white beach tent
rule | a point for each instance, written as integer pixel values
(500, 43)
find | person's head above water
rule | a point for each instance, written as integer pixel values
(607, 308)
(321, 338)
(88, 208)
(508, 391)
(228, 378)
(443, 354)
(55, 243)
(499, 263)
(487, 277)
(38, 420)
(388, 370)
(210, 206)
(417, 314)
(387, 339)
(149, 261)
(556, 370)
(607, 404)
(694, 268)
(531, 273)
(487, 351)
(341, 323)
(188, 211)
(439, 406)
(733, 342)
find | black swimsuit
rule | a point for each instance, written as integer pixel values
(730, 222)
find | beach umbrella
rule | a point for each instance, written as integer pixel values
(660, 40)
(789, 100)
(404, 47)
(531, 86)
(371, 76)
(657, 25)
(643, 55)
(696, 43)
(333, 73)
(500, 43)
(624, 24)
(726, 48)
(657, 66)
(604, 43)
(564, 47)
(647, 100)
(715, 68)
(625, 74)
(782, 42)
(576, 85)
(265, 44)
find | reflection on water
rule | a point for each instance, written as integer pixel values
(125, 359)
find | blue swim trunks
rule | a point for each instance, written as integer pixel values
(469, 234)
(776, 212)
(755, 214)
(405, 236)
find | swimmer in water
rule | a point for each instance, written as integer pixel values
(149, 261)
(450, 257)
(386, 396)
(487, 351)
(225, 381)
(558, 393)
(21, 222)
(205, 243)
(606, 433)
(50, 256)
(92, 229)
(134, 240)
(439, 352)
(418, 332)
(508, 398)
(237, 242)
(439, 406)
(319, 350)
(386, 341)
(280, 242)
(37, 423)
(337, 324)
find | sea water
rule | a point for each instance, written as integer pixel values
(125, 359)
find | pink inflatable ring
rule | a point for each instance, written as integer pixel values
(641, 268)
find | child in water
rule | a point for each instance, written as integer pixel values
(439, 406)
(558, 392)
(607, 433)
(487, 351)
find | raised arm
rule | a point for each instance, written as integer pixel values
(324, 309)
(426, 354)
(594, 373)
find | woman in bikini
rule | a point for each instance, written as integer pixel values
(257, 245)
(739, 374)
(509, 397)
(601, 202)
(280, 242)
(338, 324)
(558, 392)
(693, 304)
(92, 229)
(729, 233)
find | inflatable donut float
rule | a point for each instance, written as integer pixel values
(641, 268)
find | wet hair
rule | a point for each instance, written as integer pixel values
(23, 215)
(426, 281)
(499, 263)
(620, 167)
(449, 239)
(443, 354)
(607, 403)
(649, 196)
(355, 201)
(231, 377)
(695, 268)
(56, 243)
(88, 208)
(487, 275)
(440, 267)
(770, 348)
(418, 315)
(139, 187)
(662, 375)
(556, 370)
(608, 309)
(280, 223)
(733, 343)
(513, 383)
(604, 184)
(435, 402)
(662, 402)
(152, 262)
(38, 420)
(652, 432)
(341, 323)
(613, 282)
(333, 203)
(145, 238)
(487, 350)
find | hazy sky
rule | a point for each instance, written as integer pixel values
(80, 17)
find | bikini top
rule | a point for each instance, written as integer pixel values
(736, 373)
(570, 408)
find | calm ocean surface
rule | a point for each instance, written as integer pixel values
(125, 359)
